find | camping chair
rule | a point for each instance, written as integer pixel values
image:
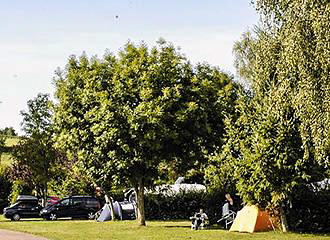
(228, 215)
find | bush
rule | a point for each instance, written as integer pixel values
(310, 211)
(183, 205)
(5, 187)
(19, 188)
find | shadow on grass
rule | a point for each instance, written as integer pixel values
(176, 226)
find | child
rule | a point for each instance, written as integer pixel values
(199, 220)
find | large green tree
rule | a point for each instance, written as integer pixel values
(125, 116)
(34, 156)
(280, 139)
(295, 55)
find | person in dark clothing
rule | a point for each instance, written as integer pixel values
(100, 195)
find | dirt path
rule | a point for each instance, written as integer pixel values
(11, 235)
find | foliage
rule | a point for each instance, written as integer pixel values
(245, 57)
(309, 211)
(34, 156)
(2, 144)
(37, 120)
(5, 186)
(295, 55)
(280, 139)
(19, 187)
(8, 131)
(125, 116)
(73, 181)
(184, 204)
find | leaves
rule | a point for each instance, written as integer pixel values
(141, 109)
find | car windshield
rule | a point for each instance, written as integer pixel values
(65, 202)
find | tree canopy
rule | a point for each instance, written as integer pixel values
(34, 156)
(279, 138)
(123, 116)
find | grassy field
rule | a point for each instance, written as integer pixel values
(5, 158)
(125, 230)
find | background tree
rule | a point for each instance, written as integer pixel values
(34, 155)
(2, 144)
(281, 138)
(9, 131)
(125, 116)
(244, 51)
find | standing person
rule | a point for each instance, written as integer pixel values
(99, 194)
(105, 199)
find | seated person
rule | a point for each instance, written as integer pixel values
(199, 220)
(228, 211)
(230, 203)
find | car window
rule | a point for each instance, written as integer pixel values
(65, 202)
(91, 202)
(78, 201)
(26, 205)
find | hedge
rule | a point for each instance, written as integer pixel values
(310, 211)
(183, 205)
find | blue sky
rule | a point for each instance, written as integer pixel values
(37, 36)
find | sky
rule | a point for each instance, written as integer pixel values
(38, 36)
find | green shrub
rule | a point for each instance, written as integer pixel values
(5, 187)
(19, 188)
(310, 211)
(183, 205)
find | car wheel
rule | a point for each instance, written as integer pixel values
(16, 217)
(53, 216)
(91, 216)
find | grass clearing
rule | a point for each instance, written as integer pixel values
(128, 230)
(5, 157)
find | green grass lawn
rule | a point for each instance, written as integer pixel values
(124, 230)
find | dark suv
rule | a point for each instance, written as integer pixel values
(74, 207)
(25, 207)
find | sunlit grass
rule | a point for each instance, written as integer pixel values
(125, 230)
(5, 159)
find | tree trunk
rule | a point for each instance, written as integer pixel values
(139, 189)
(45, 194)
(284, 223)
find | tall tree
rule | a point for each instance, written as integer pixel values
(124, 116)
(281, 138)
(300, 31)
(34, 155)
